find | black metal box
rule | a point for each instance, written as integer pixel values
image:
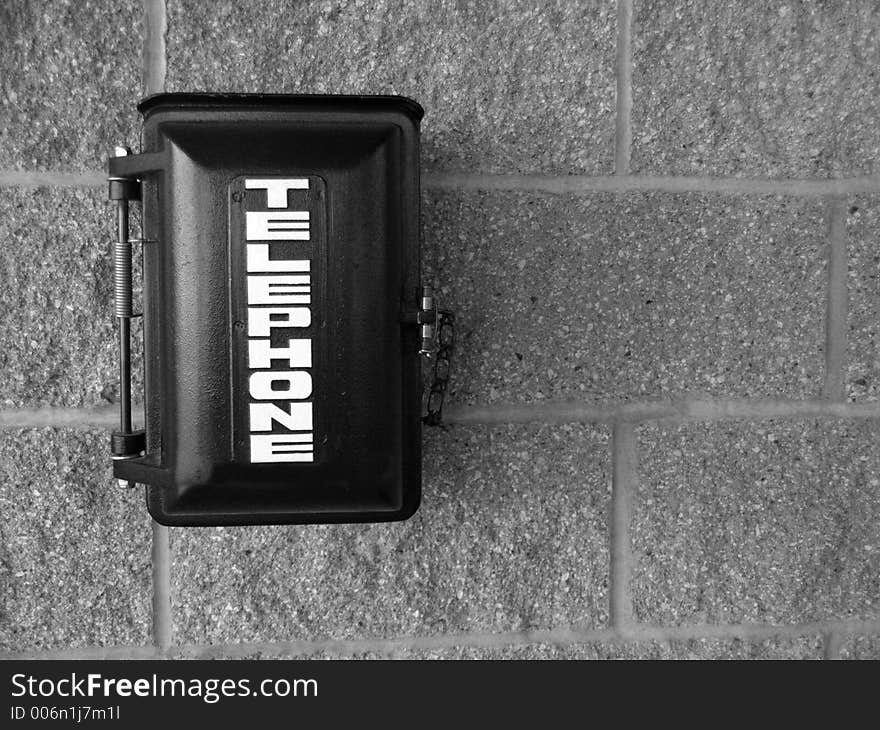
(281, 274)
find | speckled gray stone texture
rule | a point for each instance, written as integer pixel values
(772, 522)
(785, 89)
(528, 651)
(74, 548)
(800, 648)
(73, 79)
(861, 647)
(807, 647)
(56, 302)
(863, 345)
(518, 652)
(507, 86)
(511, 535)
(603, 297)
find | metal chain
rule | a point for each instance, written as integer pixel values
(442, 367)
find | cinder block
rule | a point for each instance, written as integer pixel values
(861, 647)
(75, 560)
(507, 86)
(613, 297)
(771, 522)
(56, 302)
(464, 652)
(800, 648)
(511, 535)
(863, 361)
(756, 88)
(807, 647)
(73, 79)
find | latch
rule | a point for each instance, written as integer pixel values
(427, 320)
(437, 333)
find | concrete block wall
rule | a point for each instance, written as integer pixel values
(659, 225)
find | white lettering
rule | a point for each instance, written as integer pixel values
(258, 261)
(279, 447)
(279, 289)
(277, 189)
(298, 418)
(292, 225)
(298, 353)
(278, 397)
(262, 319)
(280, 384)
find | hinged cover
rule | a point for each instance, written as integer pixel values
(282, 385)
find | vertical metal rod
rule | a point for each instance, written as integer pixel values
(122, 288)
(124, 376)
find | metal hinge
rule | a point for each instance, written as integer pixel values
(126, 443)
